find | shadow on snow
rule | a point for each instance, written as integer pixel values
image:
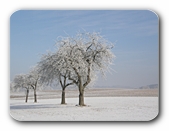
(18, 107)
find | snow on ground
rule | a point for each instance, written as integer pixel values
(97, 109)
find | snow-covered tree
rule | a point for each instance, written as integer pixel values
(33, 80)
(82, 57)
(76, 61)
(21, 82)
(53, 68)
(27, 81)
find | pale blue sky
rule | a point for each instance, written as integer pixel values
(134, 32)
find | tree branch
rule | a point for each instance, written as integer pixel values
(88, 77)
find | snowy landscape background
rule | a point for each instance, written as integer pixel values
(103, 104)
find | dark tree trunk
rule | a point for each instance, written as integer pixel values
(63, 97)
(27, 93)
(35, 96)
(81, 98)
(81, 92)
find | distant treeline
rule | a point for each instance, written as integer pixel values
(152, 86)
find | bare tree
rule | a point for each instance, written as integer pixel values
(27, 81)
(53, 68)
(77, 61)
(21, 81)
(83, 56)
(33, 80)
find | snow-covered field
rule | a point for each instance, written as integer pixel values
(97, 109)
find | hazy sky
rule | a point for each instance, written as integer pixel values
(134, 32)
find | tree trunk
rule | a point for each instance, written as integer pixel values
(63, 97)
(27, 93)
(81, 98)
(81, 92)
(35, 96)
